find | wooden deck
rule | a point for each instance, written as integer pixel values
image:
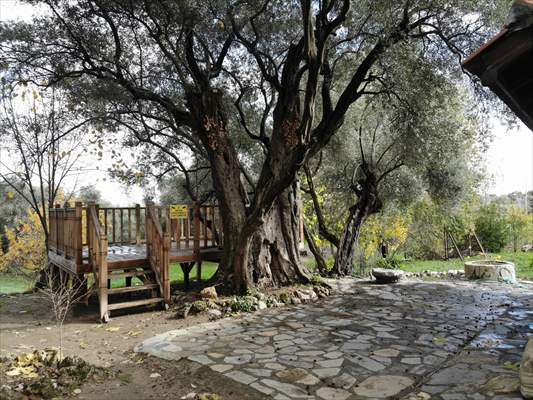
(126, 242)
(131, 256)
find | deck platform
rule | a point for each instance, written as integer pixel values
(126, 242)
(132, 256)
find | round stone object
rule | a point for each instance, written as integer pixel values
(502, 271)
(526, 371)
(384, 275)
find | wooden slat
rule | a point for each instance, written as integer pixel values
(129, 225)
(128, 289)
(130, 304)
(121, 226)
(128, 274)
(114, 225)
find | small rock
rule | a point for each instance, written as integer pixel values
(261, 305)
(526, 371)
(384, 275)
(76, 391)
(209, 293)
(183, 311)
(502, 384)
(155, 375)
(214, 314)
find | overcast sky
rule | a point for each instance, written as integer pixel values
(509, 159)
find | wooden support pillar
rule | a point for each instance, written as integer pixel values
(78, 242)
(199, 271)
(196, 242)
(137, 224)
(103, 280)
(165, 265)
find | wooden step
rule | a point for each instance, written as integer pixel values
(130, 273)
(136, 303)
(127, 289)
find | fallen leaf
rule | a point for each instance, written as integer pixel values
(439, 340)
(83, 345)
(511, 365)
(113, 329)
(134, 333)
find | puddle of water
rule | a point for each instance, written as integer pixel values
(491, 341)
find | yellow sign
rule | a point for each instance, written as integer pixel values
(179, 211)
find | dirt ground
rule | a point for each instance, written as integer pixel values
(26, 324)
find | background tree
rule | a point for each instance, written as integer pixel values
(519, 224)
(421, 140)
(42, 142)
(12, 206)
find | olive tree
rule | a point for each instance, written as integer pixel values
(193, 66)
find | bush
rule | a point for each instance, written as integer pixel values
(492, 228)
(390, 262)
(243, 303)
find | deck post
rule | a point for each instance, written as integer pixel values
(56, 212)
(165, 266)
(102, 279)
(196, 243)
(137, 224)
(79, 238)
(148, 231)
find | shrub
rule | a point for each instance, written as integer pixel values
(390, 262)
(199, 306)
(491, 228)
(243, 303)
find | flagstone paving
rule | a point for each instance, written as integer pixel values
(414, 340)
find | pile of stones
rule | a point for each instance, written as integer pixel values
(218, 307)
(452, 273)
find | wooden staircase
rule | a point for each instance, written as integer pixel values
(149, 292)
(154, 275)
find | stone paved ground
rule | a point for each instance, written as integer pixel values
(414, 340)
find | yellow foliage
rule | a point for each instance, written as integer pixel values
(26, 251)
(391, 229)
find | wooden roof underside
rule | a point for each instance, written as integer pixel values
(505, 65)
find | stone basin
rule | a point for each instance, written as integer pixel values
(385, 275)
(502, 271)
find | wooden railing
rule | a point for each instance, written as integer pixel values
(199, 229)
(97, 243)
(158, 247)
(123, 225)
(65, 235)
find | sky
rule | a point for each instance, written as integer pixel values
(509, 159)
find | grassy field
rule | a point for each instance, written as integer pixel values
(18, 284)
(523, 263)
(14, 284)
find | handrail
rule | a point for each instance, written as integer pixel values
(97, 243)
(96, 223)
(158, 249)
(155, 220)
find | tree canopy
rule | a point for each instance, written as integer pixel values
(254, 88)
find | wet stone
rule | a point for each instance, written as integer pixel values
(370, 342)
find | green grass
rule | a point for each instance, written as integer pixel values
(176, 275)
(208, 270)
(523, 263)
(10, 284)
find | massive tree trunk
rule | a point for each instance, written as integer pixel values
(367, 204)
(274, 253)
(255, 252)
